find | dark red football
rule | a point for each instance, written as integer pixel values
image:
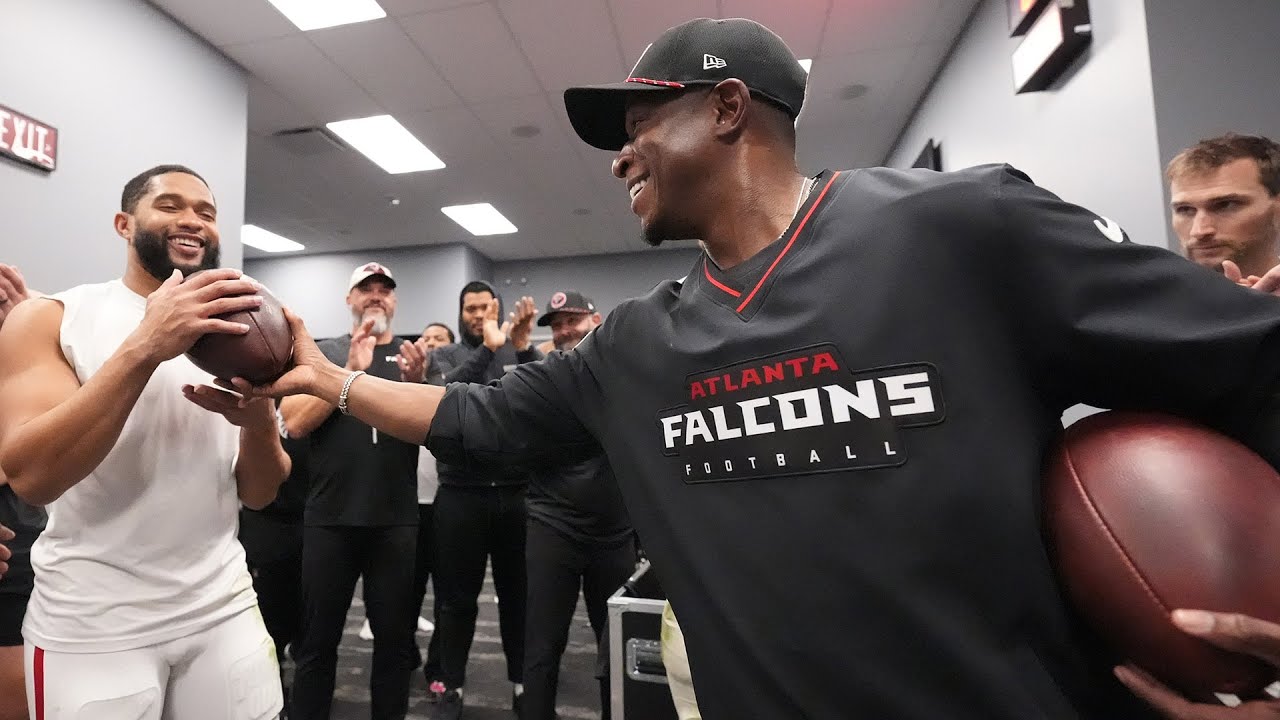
(1147, 513)
(259, 356)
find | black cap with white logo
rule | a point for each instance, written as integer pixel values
(699, 52)
(566, 301)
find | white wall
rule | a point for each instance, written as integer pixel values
(127, 88)
(1091, 138)
(428, 280)
(1214, 68)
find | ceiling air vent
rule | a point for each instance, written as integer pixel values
(309, 141)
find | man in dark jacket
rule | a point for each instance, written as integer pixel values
(578, 536)
(479, 519)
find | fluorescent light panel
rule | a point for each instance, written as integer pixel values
(806, 63)
(384, 140)
(267, 241)
(479, 219)
(316, 14)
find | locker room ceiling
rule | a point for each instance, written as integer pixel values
(473, 79)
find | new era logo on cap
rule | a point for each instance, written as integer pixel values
(728, 48)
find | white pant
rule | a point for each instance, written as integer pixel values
(228, 672)
(676, 660)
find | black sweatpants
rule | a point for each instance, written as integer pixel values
(425, 559)
(557, 567)
(333, 558)
(273, 553)
(475, 524)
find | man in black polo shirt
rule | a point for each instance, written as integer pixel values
(830, 434)
(578, 537)
(361, 516)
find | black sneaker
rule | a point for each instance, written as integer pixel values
(449, 707)
(517, 704)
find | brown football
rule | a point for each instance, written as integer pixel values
(259, 356)
(1147, 513)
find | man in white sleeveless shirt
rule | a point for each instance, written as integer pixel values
(142, 607)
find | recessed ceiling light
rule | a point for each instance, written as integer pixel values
(384, 140)
(806, 63)
(854, 91)
(267, 241)
(316, 14)
(479, 219)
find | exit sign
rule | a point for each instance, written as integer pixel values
(27, 140)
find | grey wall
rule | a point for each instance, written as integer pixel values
(606, 279)
(1091, 139)
(1213, 67)
(127, 89)
(428, 280)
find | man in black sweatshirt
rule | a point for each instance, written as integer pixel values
(830, 434)
(480, 515)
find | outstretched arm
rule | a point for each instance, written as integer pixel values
(402, 410)
(531, 414)
(304, 413)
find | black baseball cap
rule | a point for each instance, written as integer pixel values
(566, 301)
(699, 52)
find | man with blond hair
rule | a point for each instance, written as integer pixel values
(1225, 201)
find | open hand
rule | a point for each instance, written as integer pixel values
(495, 336)
(363, 341)
(1239, 633)
(521, 322)
(13, 290)
(413, 360)
(239, 410)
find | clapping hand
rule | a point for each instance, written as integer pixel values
(413, 361)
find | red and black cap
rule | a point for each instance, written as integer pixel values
(566, 301)
(699, 52)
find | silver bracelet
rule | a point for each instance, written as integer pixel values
(346, 388)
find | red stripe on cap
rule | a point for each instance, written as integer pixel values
(37, 676)
(707, 271)
(790, 242)
(663, 83)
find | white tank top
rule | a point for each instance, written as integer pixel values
(144, 549)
